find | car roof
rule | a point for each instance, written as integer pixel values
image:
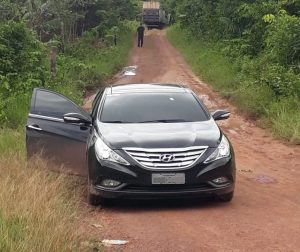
(146, 88)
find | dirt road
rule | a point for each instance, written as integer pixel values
(265, 212)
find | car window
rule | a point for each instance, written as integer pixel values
(152, 107)
(52, 104)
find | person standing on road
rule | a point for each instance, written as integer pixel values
(140, 32)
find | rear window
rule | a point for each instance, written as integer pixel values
(143, 108)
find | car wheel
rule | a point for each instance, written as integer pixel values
(226, 197)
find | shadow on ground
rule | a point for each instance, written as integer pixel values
(121, 205)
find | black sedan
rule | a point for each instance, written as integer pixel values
(139, 141)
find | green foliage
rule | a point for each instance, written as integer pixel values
(91, 60)
(9, 10)
(86, 62)
(253, 99)
(16, 110)
(264, 90)
(247, 27)
(21, 69)
(285, 119)
(258, 43)
(282, 82)
(283, 40)
(20, 59)
(204, 62)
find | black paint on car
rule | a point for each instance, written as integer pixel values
(139, 141)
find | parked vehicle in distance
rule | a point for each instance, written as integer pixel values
(139, 141)
(153, 15)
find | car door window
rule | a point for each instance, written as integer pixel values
(47, 103)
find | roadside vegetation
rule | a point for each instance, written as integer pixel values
(249, 52)
(87, 42)
(37, 208)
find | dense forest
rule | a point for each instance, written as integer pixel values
(256, 44)
(79, 36)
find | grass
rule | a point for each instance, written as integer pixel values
(37, 207)
(285, 118)
(12, 141)
(90, 62)
(16, 110)
(110, 60)
(207, 61)
(204, 59)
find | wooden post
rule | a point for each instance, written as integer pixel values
(62, 34)
(53, 56)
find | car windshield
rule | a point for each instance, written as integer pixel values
(152, 108)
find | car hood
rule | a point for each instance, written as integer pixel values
(160, 135)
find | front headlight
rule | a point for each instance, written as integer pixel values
(103, 152)
(222, 151)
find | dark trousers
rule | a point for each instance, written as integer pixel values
(140, 41)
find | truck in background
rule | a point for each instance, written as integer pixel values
(153, 15)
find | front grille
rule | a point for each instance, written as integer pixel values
(175, 158)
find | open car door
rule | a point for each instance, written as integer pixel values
(52, 132)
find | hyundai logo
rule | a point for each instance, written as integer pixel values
(167, 158)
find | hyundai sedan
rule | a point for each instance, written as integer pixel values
(140, 141)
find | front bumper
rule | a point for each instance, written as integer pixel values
(152, 193)
(137, 181)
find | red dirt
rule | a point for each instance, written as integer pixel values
(265, 212)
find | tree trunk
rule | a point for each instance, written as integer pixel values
(82, 31)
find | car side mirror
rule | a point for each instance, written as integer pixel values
(77, 118)
(221, 115)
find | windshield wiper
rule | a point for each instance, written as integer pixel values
(164, 121)
(150, 121)
(115, 121)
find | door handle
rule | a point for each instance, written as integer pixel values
(34, 127)
(84, 128)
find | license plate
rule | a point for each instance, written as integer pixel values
(168, 178)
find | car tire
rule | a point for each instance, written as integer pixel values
(226, 197)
